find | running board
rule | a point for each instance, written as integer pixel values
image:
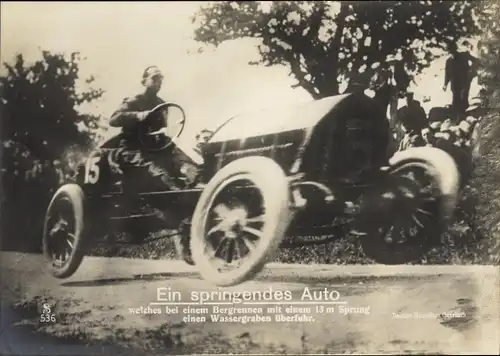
(172, 191)
(135, 216)
(162, 192)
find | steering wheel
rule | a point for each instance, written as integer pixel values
(162, 126)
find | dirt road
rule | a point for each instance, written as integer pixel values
(401, 309)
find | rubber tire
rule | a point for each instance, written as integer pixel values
(76, 196)
(272, 182)
(444, 169)
(445, 173)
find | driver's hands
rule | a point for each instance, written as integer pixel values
(143, 115)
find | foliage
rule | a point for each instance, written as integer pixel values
(489, 47)
(325, 43)
(40, 105)
(41, 130)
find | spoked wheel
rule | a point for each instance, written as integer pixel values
(413, 212)
(62, 235)
(240, 220)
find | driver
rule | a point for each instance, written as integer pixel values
(137, 108)
(132, 111)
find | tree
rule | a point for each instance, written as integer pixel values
(40, 105)
(40, 125)
(325, 43)
(489, 46)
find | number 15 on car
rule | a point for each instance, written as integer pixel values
(92, 169)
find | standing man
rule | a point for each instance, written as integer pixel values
(428, 137)
(412, 116)
(384, 87)
(401, 81)
(358, 83)
(461, 68)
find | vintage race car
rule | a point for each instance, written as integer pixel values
(286, 176)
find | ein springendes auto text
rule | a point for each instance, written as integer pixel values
(166, 294)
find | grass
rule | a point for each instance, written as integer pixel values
(485, 185)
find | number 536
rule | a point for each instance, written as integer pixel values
(48, 318)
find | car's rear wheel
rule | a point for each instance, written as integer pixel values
(63, 245)
(240, 220)
(411, 210)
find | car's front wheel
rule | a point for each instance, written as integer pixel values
(63, 245)
(240, 220)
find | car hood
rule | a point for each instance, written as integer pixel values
(276, 119)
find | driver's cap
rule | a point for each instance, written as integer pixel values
(151, 72)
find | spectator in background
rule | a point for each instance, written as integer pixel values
(384, 87)
(466, 129)
(440, 113)
(447, 137)
(428, 137)
(445, 128)
(472, 121)
(461, 68)
(412, 116)
(457, 137)
(435, 126)
(402, 79)
(476, 109)
(399, 81)
(358, 83)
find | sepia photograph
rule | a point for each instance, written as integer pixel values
(250, 177)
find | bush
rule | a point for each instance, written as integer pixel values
(40, 125)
